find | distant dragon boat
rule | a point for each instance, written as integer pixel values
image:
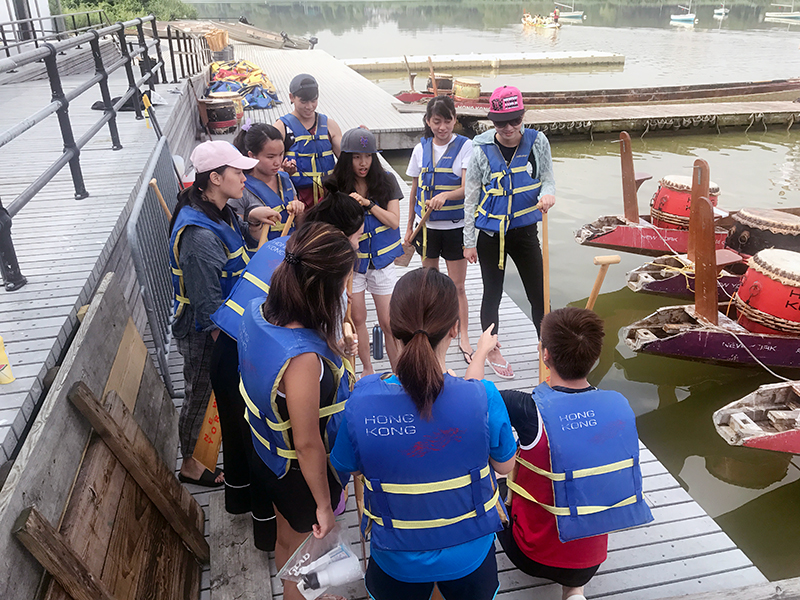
(747, 90)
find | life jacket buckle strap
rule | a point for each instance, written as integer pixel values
(383, 504)
(475, 485)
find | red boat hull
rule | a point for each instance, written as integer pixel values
(624, 236)
(786, 441)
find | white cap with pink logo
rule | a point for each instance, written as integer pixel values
(506, 104)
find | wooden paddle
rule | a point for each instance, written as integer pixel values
(433, 78)
(265, 231)
(411, 75)
(544, 371)
(154, 185)
(604, 262)
(206, 449)
(408, 249)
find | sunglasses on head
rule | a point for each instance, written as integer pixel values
(513, 123)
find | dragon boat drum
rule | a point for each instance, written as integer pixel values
(768, 300)
(671, 203)
(221, 116)
(235, 98)
(444, 83)
(756, 229)
(468, 89)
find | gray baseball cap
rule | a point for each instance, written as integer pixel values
(305, 86)
(359, 140)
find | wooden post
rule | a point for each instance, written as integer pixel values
(604, 262)
(630, 202)
(60, 560)
(143, 463)
(701, 241)
(433, 78)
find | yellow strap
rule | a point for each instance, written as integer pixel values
(235, 307)
(389, 248)
(564, 512)
(182, 299)
(178, 272)
(327, 411)
(256, 281)
(308, 138)
(288, 454)
(579, 473)
(426, 488)
(430, 523)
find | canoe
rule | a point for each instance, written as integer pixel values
(700, 92)
(769, 419)
(253, 35)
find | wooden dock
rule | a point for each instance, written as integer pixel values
(683, 551)
(347, 97)
(464, 62)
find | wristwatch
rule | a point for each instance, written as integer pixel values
(371, 206)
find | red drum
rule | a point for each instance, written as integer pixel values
(768, 300)
(670, 205)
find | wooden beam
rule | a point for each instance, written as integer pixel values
(50, 549)
(141, 460)
(786, 589)
(701, 241)
(629, 200)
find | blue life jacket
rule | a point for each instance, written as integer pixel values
(594, 454)
(253, 284)
(277, 201)
(379, 243)
(264, 353)
(510, 197)
(427, 483)
(312, 153)
(434, 179)
(231, 238)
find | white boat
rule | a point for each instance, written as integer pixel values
(686, 17)
(571, 13)
(721, 11)
(784, 14)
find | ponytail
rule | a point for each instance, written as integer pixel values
(423, 309)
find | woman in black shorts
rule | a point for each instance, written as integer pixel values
(291, 368)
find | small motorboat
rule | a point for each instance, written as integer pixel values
(242, 31)
(769, 419)
(570, 13)
(785, 15)
(684, 18)
(721, 12)
(643, 234)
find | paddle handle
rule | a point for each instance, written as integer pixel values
(154, 185)
(604, 262)
(421, 223)
(433, 77)
(544, 371)
(288, 225)
(264, 235)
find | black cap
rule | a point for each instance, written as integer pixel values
(305, 86)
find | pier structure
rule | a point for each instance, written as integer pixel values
(65, 246)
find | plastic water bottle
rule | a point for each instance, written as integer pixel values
(336, 573)
(377, 342)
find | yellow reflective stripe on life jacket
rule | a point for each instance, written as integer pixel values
(288, 454)
(310, 137)
(427, 488)
(579, 473)
(564, 511)
(256, 281)
(430, 523)
(235, 307)
(389, 248)
(182, 299)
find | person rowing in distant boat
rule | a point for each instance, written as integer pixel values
(312, 140)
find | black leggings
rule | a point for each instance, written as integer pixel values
(237, 444)
(522, 245)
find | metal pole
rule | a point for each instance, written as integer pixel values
(145, 54)
(158, 50)
(182, 53)
(64, 123)
(100, 69)
(171, 54)
(136, 96)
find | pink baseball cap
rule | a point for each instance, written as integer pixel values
(505, 104)
(212, 155)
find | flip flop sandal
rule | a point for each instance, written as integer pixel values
(467, 355)
(495, 366)
(207, 479)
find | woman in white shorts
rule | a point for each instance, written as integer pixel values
(358, 172)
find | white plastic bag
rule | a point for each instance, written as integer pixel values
(320, 564)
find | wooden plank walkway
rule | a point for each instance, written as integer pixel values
(62, 244)
(682, 551)
(347, 97)
(419, 63)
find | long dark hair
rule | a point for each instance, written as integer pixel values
(423, 308)
(440, 106)
(193, 196)
(255, 138)
(307, 286)
(378, 186)
(338, 209)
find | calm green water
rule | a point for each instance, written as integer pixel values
(754, 495)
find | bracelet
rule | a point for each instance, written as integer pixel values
(371, 206)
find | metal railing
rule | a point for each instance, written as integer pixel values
(61, 99)
(192, 51)
(37, 30)
(148, 237)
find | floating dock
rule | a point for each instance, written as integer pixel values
(348, 98)
(464, 62)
